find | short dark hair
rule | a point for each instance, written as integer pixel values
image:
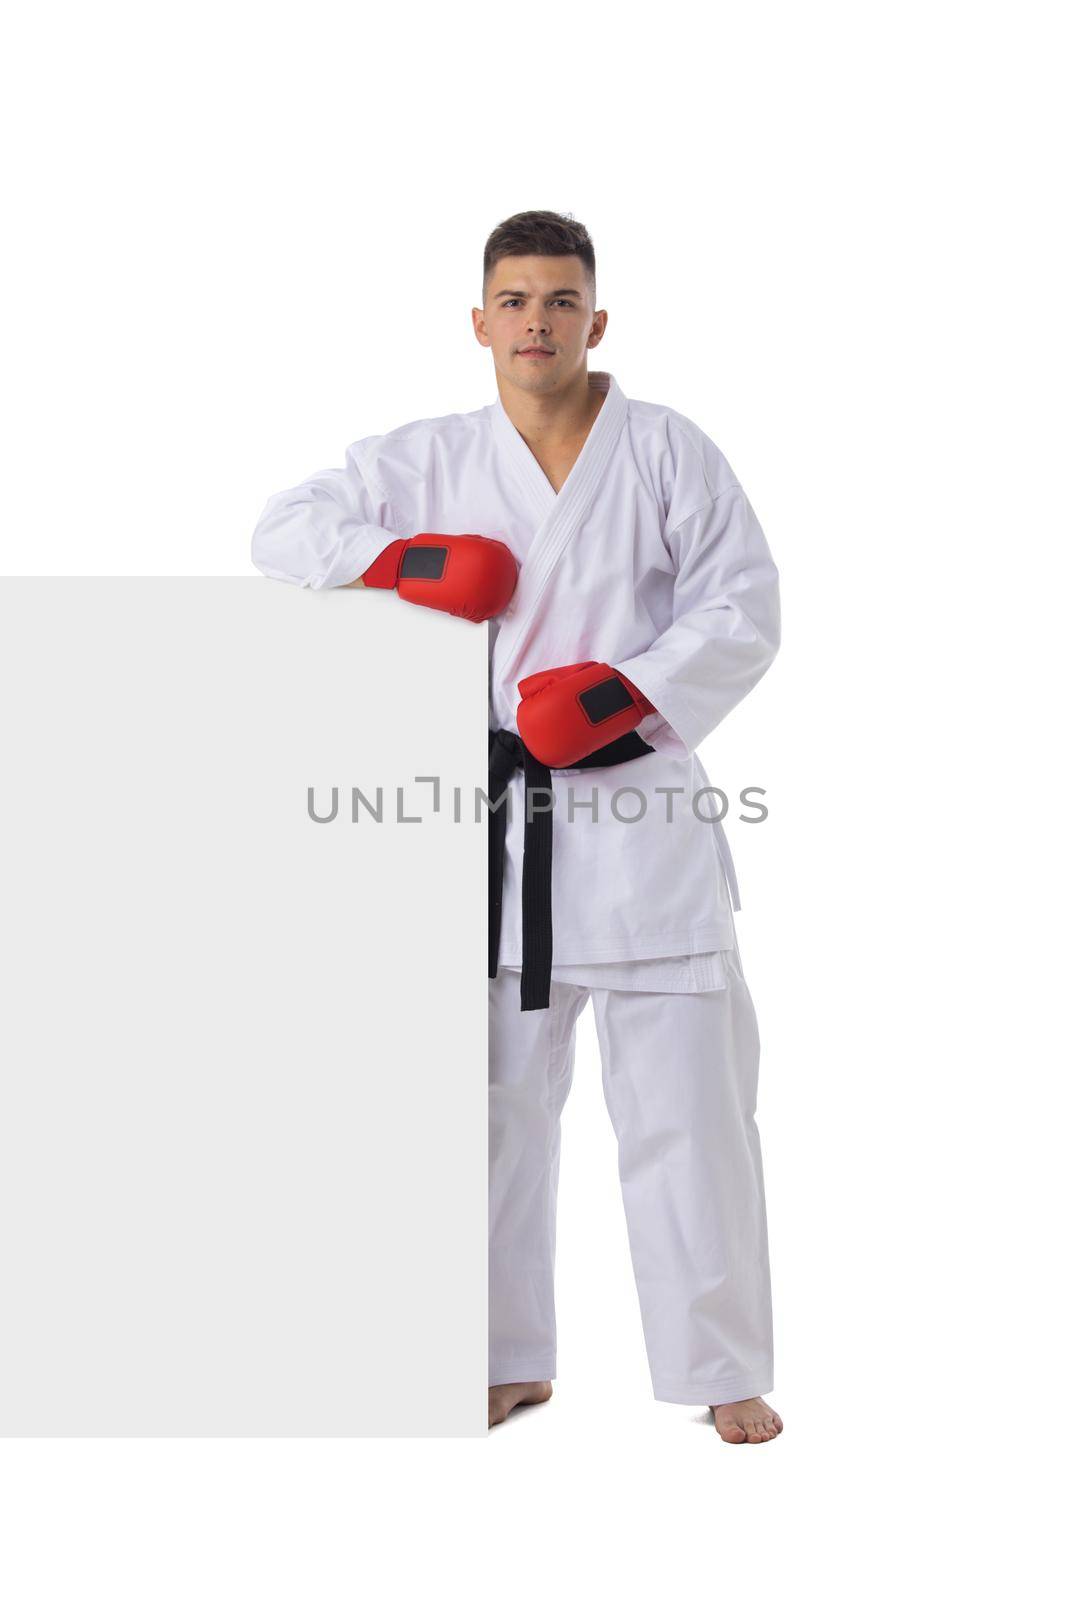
(538, 233)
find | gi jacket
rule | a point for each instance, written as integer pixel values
(650, 558)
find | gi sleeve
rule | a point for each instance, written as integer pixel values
(725, 629)
(329, 529)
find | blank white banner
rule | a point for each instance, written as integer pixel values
(242, 1051)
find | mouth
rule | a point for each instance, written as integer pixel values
(536, 353)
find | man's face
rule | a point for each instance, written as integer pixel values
(539, 301)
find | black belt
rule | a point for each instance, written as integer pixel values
(506, 754)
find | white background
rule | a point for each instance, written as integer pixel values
(246, 236)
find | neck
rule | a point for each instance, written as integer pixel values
(554, 416)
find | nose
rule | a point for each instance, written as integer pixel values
(538, 324)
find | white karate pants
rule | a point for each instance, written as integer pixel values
(679, 1074)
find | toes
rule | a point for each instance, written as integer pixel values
(758, 1429)
(728, 1429)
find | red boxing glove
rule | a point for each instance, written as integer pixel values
(463, 573)
(568, 712)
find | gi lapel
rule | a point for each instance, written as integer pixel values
(562, 513)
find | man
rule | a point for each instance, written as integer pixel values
(631, 602)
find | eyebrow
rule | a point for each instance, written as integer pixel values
(520, 294)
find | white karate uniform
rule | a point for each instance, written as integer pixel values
(656, 974)
(650, 558)
(679, 1074)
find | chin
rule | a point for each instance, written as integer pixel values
(535, 370)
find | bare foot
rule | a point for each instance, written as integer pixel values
(747, 1421)
(504, 1397)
